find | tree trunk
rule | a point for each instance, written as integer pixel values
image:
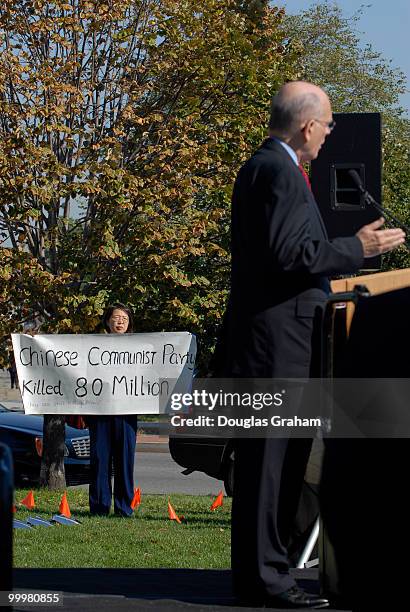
(52, 473)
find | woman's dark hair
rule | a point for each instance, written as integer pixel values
(118, 306)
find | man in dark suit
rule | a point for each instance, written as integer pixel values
(281, 260)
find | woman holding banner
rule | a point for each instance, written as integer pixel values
(113, 439)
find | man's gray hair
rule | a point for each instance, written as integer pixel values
(288, 111)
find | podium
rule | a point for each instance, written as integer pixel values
(365, 541)
(378, 283)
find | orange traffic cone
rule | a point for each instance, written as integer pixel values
(172, 514)
(136, 500)
(64, 508)
(28, 501)
(218, 501)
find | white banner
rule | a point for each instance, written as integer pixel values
(103, 373)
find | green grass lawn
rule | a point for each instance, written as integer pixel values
(148, 539)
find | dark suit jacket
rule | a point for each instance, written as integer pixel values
(281, 258)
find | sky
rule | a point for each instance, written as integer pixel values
(385, 25)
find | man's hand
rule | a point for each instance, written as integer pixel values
(376, 241)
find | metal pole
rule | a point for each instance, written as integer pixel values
(310, 544)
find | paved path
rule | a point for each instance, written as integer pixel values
(168, 590)
(157, 472)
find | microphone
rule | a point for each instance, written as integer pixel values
(369, 199)
(356, 180)
(354, 175)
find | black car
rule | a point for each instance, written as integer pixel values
(23, 433)
(214, 456)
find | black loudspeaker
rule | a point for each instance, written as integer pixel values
(355, 144)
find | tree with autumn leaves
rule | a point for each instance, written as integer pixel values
(122, 124)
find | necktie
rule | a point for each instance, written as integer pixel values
(305, 176)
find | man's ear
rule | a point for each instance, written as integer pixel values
(307, 130)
